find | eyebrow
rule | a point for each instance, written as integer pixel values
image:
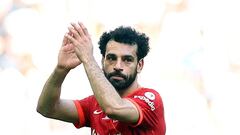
(127, 56)
(110, 54)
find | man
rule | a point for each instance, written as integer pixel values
(119, 106)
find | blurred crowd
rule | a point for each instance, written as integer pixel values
(194, 61)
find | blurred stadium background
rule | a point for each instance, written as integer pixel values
(194, 60)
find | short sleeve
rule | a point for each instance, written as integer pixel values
(150, 107)
(82, 107)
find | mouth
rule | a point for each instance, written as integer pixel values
(117, 78)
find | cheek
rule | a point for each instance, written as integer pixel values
(131, 69)
(107, 68)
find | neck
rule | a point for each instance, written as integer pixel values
(134, 86)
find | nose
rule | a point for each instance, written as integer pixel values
(118, 66)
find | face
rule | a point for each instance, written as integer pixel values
(120, 64)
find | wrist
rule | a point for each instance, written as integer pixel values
(57, 77)
(88, 60)
(61, 70)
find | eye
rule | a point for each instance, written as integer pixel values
(111, 57)
(128, 59)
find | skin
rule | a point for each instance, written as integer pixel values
(122, 58)
(77, 49)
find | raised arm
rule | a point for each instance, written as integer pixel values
(108, 98)
(49, 104)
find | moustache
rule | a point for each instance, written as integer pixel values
(117, 74)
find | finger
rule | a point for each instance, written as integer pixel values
(68, 41)
(84, 29)
(78, 28)
(74, 33)
(65, 40)
(71, 39)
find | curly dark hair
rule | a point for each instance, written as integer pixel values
(126, 35)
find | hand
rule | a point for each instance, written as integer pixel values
(67, 58)
(79, 37)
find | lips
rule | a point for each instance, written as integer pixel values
(117, 77)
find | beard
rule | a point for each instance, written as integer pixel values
(122, 84)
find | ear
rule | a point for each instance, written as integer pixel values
(140, 65)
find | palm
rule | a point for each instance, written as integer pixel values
(67, 57)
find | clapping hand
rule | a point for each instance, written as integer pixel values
(80, 39)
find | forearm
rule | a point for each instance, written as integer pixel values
(51, 91)
(104, 92)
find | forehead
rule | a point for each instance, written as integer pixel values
(121, 49)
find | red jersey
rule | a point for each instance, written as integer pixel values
(148, 103)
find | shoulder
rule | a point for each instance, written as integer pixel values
(148, 92)
(147, 96)
(91, 97)
(87, 100)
